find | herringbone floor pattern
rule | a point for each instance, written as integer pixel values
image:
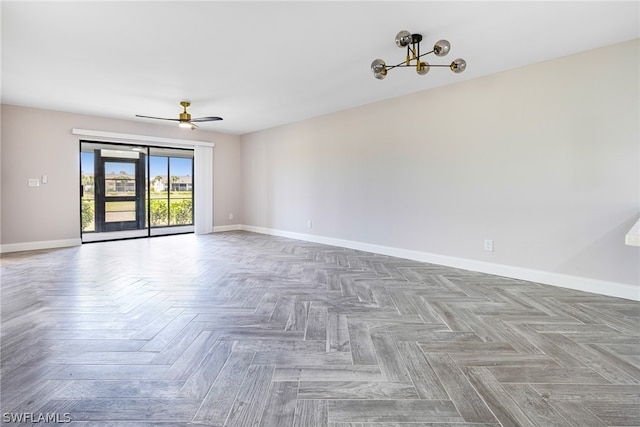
(241, 329)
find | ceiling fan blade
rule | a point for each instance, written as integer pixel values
(157, 118)
(206, 119)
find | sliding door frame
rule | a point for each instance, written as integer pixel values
(203, 167)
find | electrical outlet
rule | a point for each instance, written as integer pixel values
(230, 216)
(309, 224)
(488, 245)
(33, 182)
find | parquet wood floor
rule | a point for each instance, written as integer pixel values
(242, 329)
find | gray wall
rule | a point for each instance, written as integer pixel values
(543, 159)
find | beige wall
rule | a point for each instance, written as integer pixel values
(39, 142)
(543, 159)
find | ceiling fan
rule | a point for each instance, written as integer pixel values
(185, 120)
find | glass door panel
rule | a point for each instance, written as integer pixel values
(113, 179)
(87, 192)
(159, 191)
(181, 206)
(119, 211)
(120, 193)
(171, 190)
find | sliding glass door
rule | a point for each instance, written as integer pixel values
(132, 191)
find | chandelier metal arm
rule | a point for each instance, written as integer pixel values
(404, 63)
(420, 56)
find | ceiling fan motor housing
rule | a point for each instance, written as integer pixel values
(184, 116)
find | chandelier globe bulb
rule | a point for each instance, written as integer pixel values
(378, 66)
(441, 48)
(403, 38)
(458, 65)
(423, 68)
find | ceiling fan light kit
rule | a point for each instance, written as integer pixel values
(412, 43)
(185, 121)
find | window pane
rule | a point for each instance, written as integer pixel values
(119, 179)
(159, 203)
(120, 211)
(171, 183)
(181, 206)
(88, 191)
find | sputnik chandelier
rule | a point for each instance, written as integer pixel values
(412, 43)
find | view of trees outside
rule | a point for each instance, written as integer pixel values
(170, 197)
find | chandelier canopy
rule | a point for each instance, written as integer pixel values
(412, 43)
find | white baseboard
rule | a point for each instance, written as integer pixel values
(34, 246)
(601, 287)
(233, 227)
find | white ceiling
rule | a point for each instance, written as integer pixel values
(263, 64)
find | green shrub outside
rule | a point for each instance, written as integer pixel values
(158, 213)
(87, 213)
(181, 212)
